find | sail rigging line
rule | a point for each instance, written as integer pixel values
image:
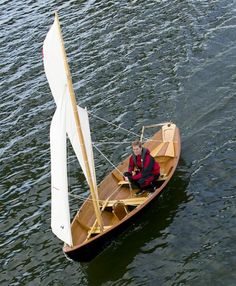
(124, 142)
(87, 199)
(107, 159)
(130, 188)
(114, 125)
(79, 197)
(93, 188)
(111, 142)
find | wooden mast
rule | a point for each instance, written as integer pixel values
(93, 189)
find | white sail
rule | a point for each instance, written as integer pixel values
(74, 139)
(54, 66)
(83, 114)
(60, 212)
(57, 77)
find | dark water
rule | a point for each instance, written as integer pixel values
(133, 63)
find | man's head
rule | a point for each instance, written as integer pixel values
(137, 148)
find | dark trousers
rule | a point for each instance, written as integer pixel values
(139, 183)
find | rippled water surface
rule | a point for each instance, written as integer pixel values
(133, 63)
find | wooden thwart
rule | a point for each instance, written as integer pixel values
(128, 202)
(123, 183)
(93, 229)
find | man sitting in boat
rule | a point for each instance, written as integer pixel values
(143, 170)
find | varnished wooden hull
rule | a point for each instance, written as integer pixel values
(90, 250)
(87, 247)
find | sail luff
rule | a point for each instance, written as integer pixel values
(93, 188)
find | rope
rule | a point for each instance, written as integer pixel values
(110, 142)
(87, 199)
(130, 188)
(107, 159)
(124, 142)
(109, 123)
(77, 197)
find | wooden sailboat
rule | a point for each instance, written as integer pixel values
(113, 204)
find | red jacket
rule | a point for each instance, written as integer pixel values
(145, 166)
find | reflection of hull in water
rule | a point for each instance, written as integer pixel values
(119, 204)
